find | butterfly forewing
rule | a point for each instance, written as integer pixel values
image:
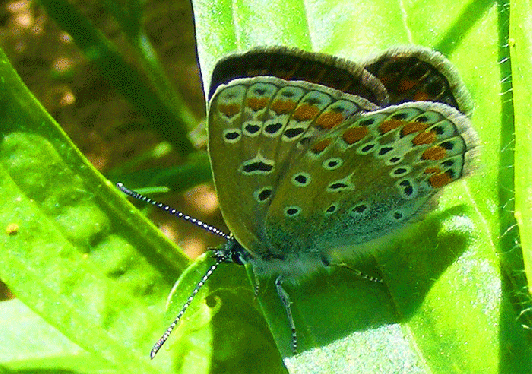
(257, 128)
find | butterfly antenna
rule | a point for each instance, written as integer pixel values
(170, 328)
(172, 211)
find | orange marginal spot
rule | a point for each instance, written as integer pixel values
(426, 137)
(305, 112)
(440, 180)
(329, 120)
(390, 125)
(432, 170)
(320, 146)
(256, 103)
(413, 127)
(283, 106)
(229, 110)
(434, 153)
(421, 96)
(355, 134)
(406, 85)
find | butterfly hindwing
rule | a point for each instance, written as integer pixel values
(372, 174)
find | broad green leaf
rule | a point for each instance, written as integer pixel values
(78, 257)
(47, 348)
(91, 266)
(520, 44)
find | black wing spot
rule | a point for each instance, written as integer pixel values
(301, 179)
(367, 122)
(447, 145)
(367, 148)
(408, 189)
(338, 185)
(264, 194)
(252, 129)
(258, 166)
(273, 128)
(292, 211)
(292, 133)
(385, 150)
(399, 116)
(398, 215)
(232, 135)
(439, 130)
(287, 93)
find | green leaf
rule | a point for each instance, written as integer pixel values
(521, 55)
(449, 303)
(454, 297)
(47, 348)
(78, 258)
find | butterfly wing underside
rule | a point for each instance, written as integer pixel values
(301, 167)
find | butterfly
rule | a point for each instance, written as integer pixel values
(314, 157)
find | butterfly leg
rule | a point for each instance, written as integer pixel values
(285, 299)
(361, 274)
(256, 290)
(256, 286)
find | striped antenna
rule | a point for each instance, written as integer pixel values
(221, 255)
(170, 328)
(172, 211)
